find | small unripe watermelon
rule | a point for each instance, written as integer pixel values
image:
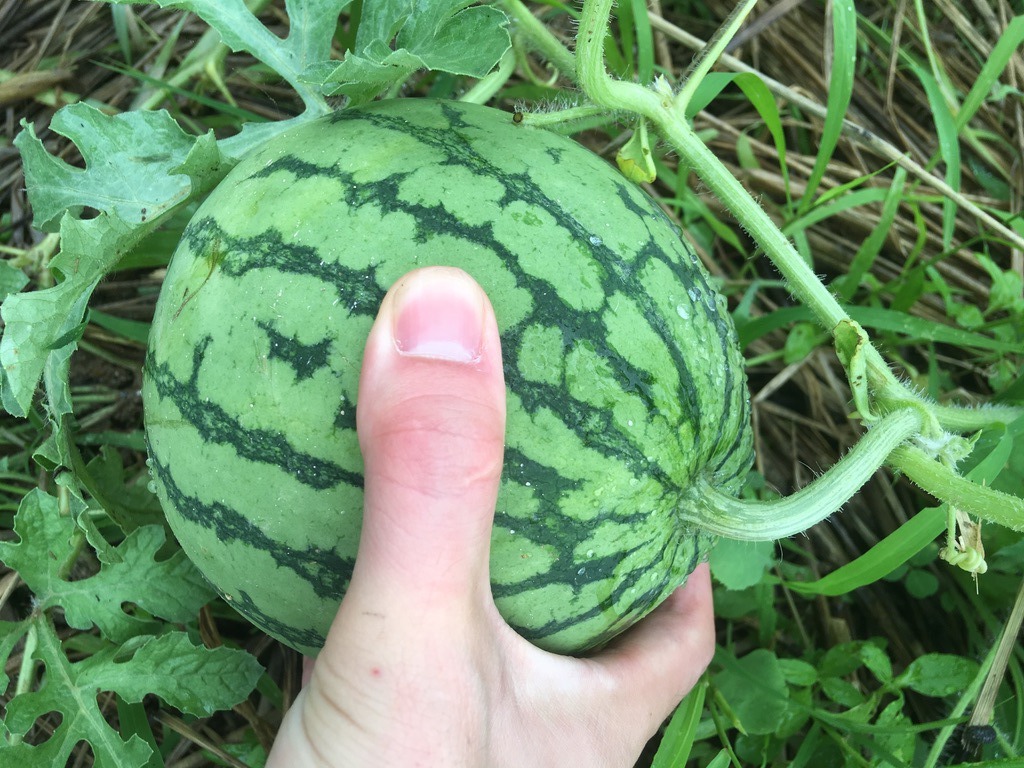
(624, 378)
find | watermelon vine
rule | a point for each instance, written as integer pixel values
(878, 392)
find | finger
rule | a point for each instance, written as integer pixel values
(656, 663)
(431, 423)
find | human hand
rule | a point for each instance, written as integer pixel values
(419, 669)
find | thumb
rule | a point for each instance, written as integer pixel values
(431, 423)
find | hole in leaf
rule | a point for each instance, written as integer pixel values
(44, 728)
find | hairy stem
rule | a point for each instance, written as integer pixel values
(746, 520)
(540, 37)
(886, 388)
(945, 484)
(801, 280)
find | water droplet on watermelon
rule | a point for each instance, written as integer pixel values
(595, 240)
(682, 312)
(151, 485)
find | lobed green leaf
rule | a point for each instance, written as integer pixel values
(431, 36)
(195, 679)
(756, 690)
(171, 589)
(133, 193)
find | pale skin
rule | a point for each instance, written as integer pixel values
(419, 669)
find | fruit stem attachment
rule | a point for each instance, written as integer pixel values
(748, 520)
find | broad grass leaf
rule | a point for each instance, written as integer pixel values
(912, 329)
(840, 90)
(949, 146)
(741, 564)
(681, 730)
(870, 248)
(133, 330)
(1008, 44)
(171, 589)
(644, 40)
(938, 674)
(755, 688)
(882, 559)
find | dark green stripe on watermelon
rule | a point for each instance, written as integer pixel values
(293, 636)
(216, 425)
(304, 359)
(324, 569)
(238, 256)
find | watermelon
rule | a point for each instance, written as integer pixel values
(624, 379)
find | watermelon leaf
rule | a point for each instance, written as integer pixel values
(171, 589)
(429, 37)
(132, 192)
(309, 39)
(195, 679)
(130, 162)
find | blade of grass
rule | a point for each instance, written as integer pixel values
(132, 330)
(882, 559)
(119, 17)
(133, 720)
(760, 96)
(820, 212)
(879, 319)
(949, 148)
(681, 730)
(840, 91)
(644, 42)
(237, 113)
(947, 91)
(868, 251)
(1009, 42)
(855, 132)
(710, 53)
